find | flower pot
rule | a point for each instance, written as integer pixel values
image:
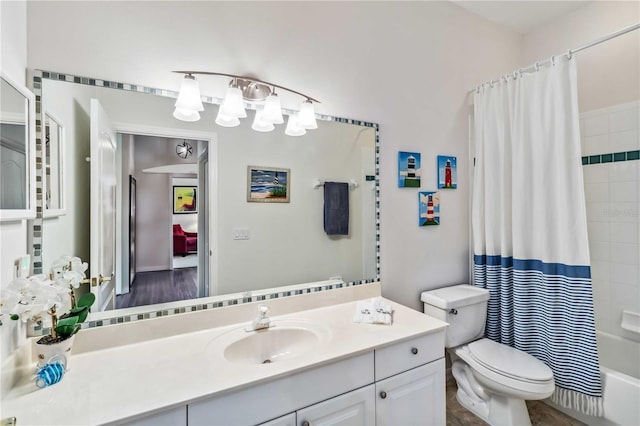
(45, 351)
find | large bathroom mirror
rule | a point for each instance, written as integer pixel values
(17, 151)
(244, 249)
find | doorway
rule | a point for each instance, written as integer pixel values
(153, 269)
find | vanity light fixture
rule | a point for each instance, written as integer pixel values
(259, 94)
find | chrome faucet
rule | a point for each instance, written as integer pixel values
(262, 321)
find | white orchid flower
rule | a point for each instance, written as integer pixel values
(73, 278)
(69, 271)
(30, 297)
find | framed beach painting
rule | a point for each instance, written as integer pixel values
(184, 199)
(268, 184)
(447, 172)
(409, 171)
(429, 210)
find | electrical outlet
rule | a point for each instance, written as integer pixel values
(240, 233)
(23, 267)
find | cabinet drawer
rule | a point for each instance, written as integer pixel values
(408, 354)
(262, 402)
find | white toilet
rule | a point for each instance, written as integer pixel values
(493, 379)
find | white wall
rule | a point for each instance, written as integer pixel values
(607, 73)
(287, 242)
(612, 191)
(13, 235)
(405, 65)
(153, 204)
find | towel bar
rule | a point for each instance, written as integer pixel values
(317, 183)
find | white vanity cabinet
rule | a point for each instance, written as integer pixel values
(356, 408)
(172, 417)
(415, 397)
(272, 399)
(410, 382)
(286, 420)
(402, 383)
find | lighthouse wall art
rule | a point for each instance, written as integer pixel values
(429, 210)
(409, 170)
(447, 172)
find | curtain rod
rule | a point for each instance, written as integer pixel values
(536, 65)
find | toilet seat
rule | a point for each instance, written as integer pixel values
(509, 362)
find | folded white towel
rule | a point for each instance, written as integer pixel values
(373, 311)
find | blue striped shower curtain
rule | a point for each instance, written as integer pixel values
(529, 227)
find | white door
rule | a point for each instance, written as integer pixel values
(204, 254)
(356, 408)
(103, 208)
(415, 397)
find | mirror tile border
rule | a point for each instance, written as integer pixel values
(234, 299)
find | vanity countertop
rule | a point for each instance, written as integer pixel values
(125, 382)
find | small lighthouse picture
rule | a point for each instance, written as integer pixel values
(429, 213)
(447, 172)
(409, 169)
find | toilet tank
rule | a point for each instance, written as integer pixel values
(463, 306)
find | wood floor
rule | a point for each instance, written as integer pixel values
(540, 413)
(159, 287)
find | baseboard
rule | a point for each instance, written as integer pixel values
(153, 268)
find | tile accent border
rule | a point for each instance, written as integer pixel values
(37, 231)
(613, 157)
(38, 329)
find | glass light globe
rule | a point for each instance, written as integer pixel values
(186, 115)
(272, 112)
(226, 121)
(293, 126)
(233, 106)
(307, 117)
(259, 124)
(189, 96)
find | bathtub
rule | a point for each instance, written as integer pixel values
(620, 371)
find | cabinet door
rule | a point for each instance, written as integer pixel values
(415, 397)
(286, 420)
(354, 408)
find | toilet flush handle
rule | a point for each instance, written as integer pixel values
(453, 311)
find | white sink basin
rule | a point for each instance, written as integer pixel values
(284, 340)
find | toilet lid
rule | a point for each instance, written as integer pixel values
(509, 362)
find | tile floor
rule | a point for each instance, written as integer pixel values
(541, 414)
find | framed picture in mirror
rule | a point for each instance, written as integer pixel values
(54, 177)
(184, 199)
(268, 184)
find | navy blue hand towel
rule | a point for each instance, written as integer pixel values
(336, 208)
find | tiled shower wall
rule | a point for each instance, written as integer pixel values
(611, 166)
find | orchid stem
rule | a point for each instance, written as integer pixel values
(54, 321)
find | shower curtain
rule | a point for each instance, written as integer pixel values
(530, 230)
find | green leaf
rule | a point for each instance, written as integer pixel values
(87, 300)
(67, 327)
(82, 316)
(15, 317)
(67, 322)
